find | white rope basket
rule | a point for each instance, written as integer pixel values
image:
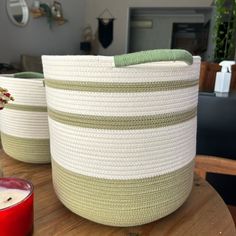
(122, 134)
(24, 122)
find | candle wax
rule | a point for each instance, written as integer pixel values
(10, 197)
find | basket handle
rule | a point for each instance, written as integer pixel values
(153, 56)
(28, 75)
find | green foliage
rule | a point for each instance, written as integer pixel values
(50, 18)
(225, 30)
(48, 13)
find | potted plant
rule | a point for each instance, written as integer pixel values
(225, 30)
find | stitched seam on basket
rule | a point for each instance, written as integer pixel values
(131, 182)
(20, 107)
(122, 123)
(106, 87)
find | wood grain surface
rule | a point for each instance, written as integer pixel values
(203, 214)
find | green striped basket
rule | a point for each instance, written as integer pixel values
(24, 123)
(122, 133)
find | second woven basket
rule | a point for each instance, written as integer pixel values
(24, 123)
(122, 133)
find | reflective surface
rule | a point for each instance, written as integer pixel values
(18, 11)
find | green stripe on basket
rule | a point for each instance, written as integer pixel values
(105, 87)
(124, 122)
(26, 149)
(122, 202)
(20, 107)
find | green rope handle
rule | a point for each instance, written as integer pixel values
(29, 75)
(153, 56)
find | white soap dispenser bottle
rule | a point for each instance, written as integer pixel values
(223, 78)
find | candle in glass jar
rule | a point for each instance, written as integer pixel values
(10, 197)
(16, 207)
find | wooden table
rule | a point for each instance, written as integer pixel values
(203, 214)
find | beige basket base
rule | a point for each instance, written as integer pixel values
(122, 202)
(27, 150)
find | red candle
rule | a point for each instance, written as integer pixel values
(16, 207)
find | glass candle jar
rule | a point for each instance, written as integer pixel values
(16, 207)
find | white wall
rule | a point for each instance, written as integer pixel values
(36, 38)
(120, 10)
(160, 35)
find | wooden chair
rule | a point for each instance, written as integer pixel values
(233, 78)
(212, 164)
(31, 63)
(208, 76)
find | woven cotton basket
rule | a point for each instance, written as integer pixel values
(122, 133)
(24, 122)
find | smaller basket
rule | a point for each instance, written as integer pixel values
(24, 123)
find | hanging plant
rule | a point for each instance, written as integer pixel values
(53, 13)
(48, 13)
(225, 30)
